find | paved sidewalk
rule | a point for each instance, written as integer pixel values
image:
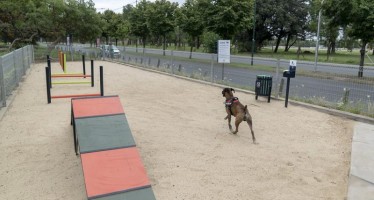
(361, 177)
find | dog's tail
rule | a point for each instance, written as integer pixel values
(246, 113)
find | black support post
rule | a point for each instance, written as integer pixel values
(287, 91)
(101, 81)
(50, 71)
(84, 65)
(47, 75)
(92, 74)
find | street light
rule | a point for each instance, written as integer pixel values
(317, 43)
(254, 30)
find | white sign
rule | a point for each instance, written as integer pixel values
(223, 51)
(293, 63)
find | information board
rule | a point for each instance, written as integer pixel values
(223, 51)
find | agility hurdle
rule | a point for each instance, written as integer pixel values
(49, 85)
(62, 61)
(72, 75)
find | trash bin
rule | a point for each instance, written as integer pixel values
(263, 86)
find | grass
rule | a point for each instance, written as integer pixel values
(300, 72)
(340, 57)
(358, 108)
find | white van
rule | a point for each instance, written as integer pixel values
(106, 49)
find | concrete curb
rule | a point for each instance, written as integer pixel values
(361, 175)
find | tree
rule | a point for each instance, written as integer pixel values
(288, 19)
(191, 21)
(160, 19)
(358, 15)
(18, 22)
(227, 17)
(138, 21)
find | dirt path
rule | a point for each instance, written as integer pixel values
(184, 142)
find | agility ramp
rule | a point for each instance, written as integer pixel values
(111, 163)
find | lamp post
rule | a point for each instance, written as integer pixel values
(254, 31)
(317, 43)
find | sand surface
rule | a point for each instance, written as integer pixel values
(183, 139)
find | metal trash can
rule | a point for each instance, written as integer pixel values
(263, 86)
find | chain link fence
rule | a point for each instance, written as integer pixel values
(334, 86)
(13, 67)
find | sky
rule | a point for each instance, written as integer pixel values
(116, 5)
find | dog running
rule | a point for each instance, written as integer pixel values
(235, 108)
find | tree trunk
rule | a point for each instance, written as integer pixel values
(298, 51)
(192, 45)
(14, 41)
(362, 60)
(328, 51)
(136, 45)
(164, 43)
(279, 37)
(333, 47)
(198, 42)
(144, 42)
(287, 42)
(373, 52)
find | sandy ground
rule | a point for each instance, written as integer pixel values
(184, 142)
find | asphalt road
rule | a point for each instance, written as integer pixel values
(329, 90)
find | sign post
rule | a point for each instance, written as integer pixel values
(223, 53)
(290, 73)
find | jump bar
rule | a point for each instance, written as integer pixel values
(72, 82)
(49, 83)
(70, 75)
(74, 95)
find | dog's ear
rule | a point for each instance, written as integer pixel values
(232, 90)
(223, 92)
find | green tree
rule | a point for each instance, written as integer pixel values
(19, 22)
(358, 15)
(138, 22)
(288, 19)
(191, 21)
(227, 17)
(160, 19)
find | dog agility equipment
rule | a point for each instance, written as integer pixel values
(62, 61)
(263, 86)
(111, 163)
(48, 82)
(76, 75)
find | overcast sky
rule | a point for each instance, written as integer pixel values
(116, 5)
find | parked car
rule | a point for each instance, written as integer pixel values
(110, 51)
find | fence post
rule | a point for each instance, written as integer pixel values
(281, 87)
(172, 62)
(277, 78)
(2, 84)
(33, 54)
(15, 67)
(23, 61)
(212, 69)
(28, 57)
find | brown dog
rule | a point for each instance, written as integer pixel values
(235, 108)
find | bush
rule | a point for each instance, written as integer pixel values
(209, 40)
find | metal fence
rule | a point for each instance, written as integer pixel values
(331, 85)
(13, 67)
